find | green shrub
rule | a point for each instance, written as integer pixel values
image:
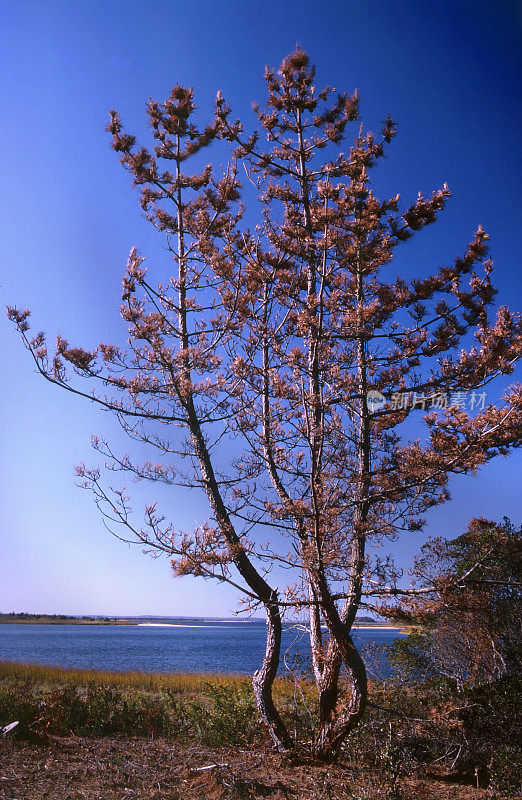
(492, 725)
(222, 715)
(17, 703)
(218, 714)
(88, 711)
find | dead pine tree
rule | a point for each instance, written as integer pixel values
(278, 368)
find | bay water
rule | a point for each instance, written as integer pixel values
(180, 645)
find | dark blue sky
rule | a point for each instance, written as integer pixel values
(448, 72)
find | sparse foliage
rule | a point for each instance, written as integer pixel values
(263, 347)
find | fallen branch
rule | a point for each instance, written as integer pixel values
(210, 766)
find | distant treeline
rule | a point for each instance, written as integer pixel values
(24, 616)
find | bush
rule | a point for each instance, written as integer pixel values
(471, 735)
(492, 726)
(17, 703)
(87, 711)
(222, 715)
(217, 715)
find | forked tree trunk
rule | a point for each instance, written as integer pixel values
(337, 719)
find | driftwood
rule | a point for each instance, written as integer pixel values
(8, 728)
(210, 766)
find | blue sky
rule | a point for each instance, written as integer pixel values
(448, 72)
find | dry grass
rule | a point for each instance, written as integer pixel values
(182, 683)
(74, 768)
(135, 713)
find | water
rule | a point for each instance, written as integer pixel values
(195, 646)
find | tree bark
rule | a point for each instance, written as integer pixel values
(337, 722)
(264, 678)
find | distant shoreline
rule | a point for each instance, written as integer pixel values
(66, 621)
(144, 622)
(366, 627)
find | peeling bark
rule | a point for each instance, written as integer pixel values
(264, 678)
(337, 721)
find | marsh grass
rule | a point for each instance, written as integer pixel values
(406, 727)
(176, 682)
(212, 709)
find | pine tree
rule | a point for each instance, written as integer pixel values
(471, 619)
(292, 338)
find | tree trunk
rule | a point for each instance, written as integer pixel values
(337, 720)
(264, 678)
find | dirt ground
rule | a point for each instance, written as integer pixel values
(113, 769)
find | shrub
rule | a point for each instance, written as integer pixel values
(17, 703)
(222, 715)
(218, 714)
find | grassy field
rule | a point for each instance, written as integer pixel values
(158, 734)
